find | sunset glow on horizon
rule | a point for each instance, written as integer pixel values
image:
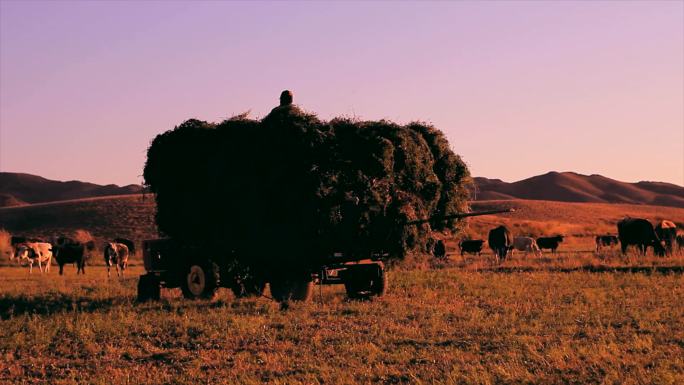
(520, 88)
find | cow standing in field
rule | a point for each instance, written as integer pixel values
(116, 254)
(33, 252)
(639, 232)
(527, 245)
(667, 232)
(473, 246)
(68, 251)
(500, 241)
(551, 243)
(606, 241)
(680, 242)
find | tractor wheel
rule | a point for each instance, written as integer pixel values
(365, 281)
(149, 288)
(201, 280)
(286, 289)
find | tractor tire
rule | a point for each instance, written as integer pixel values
(291, 289)
(200, 281)
(149, 288)
(365, 281)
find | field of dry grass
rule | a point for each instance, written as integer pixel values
(444, 325)
(575, 317)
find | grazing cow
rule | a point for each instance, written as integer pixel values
(440, 249)
(606, 241)
(526, 244)
(500, 241)
(667, 232)
(639, 232)
(116, 254)
(33, 252)
(549, 242)
(72, 252)
(473, 246)
(130, 244)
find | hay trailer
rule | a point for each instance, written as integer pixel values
(199, 271)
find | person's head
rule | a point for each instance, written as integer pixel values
(286, 98)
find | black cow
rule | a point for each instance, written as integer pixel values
(639, 232)
(680, 242)
(473, 246)
(606, 240)
(667, 232)
(549, 242)
(72, 252)
(500, 241)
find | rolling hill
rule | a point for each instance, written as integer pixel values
(18, 189)
(573, 187)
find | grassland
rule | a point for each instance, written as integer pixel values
(448, 324)
(576, 317)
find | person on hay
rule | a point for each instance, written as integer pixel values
(286, 105)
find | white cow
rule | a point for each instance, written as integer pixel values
(116, 254)
(35, 251)
(527, 245)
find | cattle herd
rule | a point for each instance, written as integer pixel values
(69, 251)
(638, 232)
(663, 238)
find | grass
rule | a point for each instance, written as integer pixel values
(448, 324)
(575, 317)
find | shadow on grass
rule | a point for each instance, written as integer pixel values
(12, 305)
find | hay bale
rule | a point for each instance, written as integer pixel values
(290, 188)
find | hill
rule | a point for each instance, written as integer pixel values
(573, 187)
(17, 189)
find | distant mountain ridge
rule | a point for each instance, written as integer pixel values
(17, 189)
(573, 187)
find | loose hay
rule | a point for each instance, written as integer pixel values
(290, 189)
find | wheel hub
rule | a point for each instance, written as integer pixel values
(196, 280)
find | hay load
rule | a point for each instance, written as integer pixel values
(291, 189)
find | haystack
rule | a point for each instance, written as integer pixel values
(291, 189)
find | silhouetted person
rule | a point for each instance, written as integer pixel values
(286, 98)
(286, 105)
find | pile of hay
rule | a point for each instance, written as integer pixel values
(290, 188)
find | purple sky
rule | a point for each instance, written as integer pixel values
(520, 88)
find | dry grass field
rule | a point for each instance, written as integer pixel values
(576, 317)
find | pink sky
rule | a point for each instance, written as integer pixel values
(520, 88)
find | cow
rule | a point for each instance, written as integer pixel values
(639, 232)
(473, 246)
(130, 244)
(606, 241)
(116, 254)
(667, 232)
(17, 240)
(72, 252)
(549, 242)
(33, 252)
(526, 244)
(500, 241)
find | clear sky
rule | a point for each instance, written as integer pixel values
(520, 88)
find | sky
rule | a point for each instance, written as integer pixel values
(519, 88)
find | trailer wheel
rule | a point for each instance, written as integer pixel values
(201, 280)
(365, 281)
(149, 288)
(285, 289)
